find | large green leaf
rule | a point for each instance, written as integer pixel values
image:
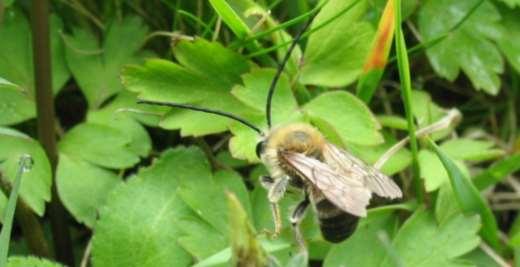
(432, 170)
(421, 242)
(335, 54)
(36, 185)
(96, 67)
(471, 149)
(99, 144)
(139, 224)
(83, 187)
(469, 48)
(204, 77)
(349, 116)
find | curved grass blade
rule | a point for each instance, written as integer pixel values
(469, 198)
(7, 218)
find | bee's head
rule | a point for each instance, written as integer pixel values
(296, 137)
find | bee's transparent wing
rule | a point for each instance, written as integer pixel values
(348, 194)
(353, 167)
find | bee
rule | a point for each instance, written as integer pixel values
(334, 182)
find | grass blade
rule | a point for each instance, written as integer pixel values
(469, 198)
(7, 218)
(406, 92)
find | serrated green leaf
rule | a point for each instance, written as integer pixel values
(350, 117)
(446, 205)
(99, 144)
(200, 239)
(363, 249)
(479, 258)
(335, 54)
(96, 67)
(18, 261)
(433, 244)
(83, 187)
(138, 225)
(471, 149)
(36, 187)
(205, 78)
(468, 48)
(16, 106)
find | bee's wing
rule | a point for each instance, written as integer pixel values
(346, 193)
(353, 167)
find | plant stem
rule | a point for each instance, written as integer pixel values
(406, 93)
(46, 122)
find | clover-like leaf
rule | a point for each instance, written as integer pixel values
(468, 48)
(335, 54)
(471, 149)
(432, 170)
(509, 42)
(18, 261)
(96, 67)
(16, 106)
(36, 185)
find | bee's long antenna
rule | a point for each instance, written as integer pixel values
(206, 110)
(281, 67)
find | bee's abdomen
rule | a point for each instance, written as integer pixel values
(335, 224)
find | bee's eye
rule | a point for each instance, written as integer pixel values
(259, 148)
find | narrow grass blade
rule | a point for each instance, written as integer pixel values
(497, 172)
(7, 217)
(231, 18)
(406, 93)
(469, 198)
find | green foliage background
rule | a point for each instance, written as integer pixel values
(144, 185)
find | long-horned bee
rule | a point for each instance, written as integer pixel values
(334, 182)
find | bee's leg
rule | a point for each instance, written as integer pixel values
(296, 218)
(276, 189)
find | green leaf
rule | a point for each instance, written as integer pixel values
(349, 116)
(480, 259)
(138, 225)
(16, 53)
(471, 149)
(36, 187)
(446, 205)
(497, 172)
(509, 42)
(16, 106)
(423, 242)
(199, 238)
(83, 187)
(230, 17)
(17, 261)
(364, 248)
(24, 165)
(511, 3)
(335, 54)
(205, 77)
(468, 48)
(96, 68)
(468, 197)
(432, 170)
(99, 144)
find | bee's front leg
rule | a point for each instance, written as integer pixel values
(296, 218)
(276, 189)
